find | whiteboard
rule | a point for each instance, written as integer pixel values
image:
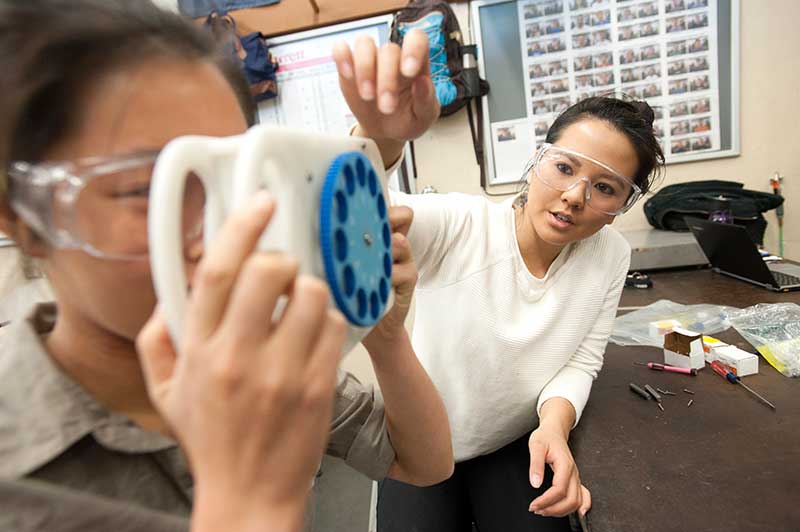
(540, 56)
(308, 84)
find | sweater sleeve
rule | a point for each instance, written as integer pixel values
(573, 382)
(439, 220)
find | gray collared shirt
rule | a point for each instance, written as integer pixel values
(52, 430)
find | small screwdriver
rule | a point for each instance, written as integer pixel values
(725, 372)
(663, 367)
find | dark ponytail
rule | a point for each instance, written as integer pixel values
(633, 118)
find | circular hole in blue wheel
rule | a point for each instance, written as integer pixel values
(349, 180)
(340, 245)
(361, 298)
(374, 305)
(372, 180)
(387, 265)
(349, 281)
(381, 206)
(361, 172)
(341, 207)
(387, 235)
(384, 290)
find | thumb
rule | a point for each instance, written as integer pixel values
(538, 452)
(156, 353)
(586, 500)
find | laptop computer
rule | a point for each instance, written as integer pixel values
(731, 251)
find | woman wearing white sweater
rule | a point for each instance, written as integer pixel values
(515, 300)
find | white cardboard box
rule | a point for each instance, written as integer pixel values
(684, 348)
(743, 362)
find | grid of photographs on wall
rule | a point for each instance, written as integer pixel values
(663, 51)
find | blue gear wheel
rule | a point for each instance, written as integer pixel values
(355, 238)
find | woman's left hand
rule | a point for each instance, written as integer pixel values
(404, 277)
(549, 446)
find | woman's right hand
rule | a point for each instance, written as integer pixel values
(249, 400)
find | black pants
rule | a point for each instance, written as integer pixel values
(492, 492)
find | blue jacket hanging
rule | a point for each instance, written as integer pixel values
(201, 8)
(259, 67)
(250, 52)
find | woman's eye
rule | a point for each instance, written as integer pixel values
(138, 192)
(605, 188)
(564, 168)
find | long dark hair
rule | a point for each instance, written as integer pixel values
(51, 52)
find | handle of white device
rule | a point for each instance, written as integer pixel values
(209, 159)
(254, 171)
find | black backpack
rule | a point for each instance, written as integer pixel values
(667, 208)
(453, 65)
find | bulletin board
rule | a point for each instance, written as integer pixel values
(540, 56)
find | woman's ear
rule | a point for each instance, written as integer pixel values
(13, 227)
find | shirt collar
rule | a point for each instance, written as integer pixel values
(43, 411)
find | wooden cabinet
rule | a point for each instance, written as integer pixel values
(289, 16)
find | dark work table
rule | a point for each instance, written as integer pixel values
(727, 462)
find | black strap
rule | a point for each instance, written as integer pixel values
(405, 185)
(477, 135)
(413, 159)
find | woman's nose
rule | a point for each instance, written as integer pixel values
(575, 196)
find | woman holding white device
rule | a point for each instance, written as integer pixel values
(92, 89)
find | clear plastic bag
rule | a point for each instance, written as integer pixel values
(634, 327)
(774, 330)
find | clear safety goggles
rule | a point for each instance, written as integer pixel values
(605, 189)
(98, 205)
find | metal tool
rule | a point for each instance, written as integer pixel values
(639, 391)
(663, 367)
(775, 181)
(654, 394)
(726, 373)
(665, 392)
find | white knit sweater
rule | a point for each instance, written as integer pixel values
(497, 341)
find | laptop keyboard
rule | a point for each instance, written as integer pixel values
(784, 279)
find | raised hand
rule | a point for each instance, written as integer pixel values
(389, 90)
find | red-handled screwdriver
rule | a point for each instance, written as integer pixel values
(725, 372)
(663, 367)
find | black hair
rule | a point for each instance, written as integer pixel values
(53, 50)
(632, 118)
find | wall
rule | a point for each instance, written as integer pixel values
(770, 133)
(769, 113)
